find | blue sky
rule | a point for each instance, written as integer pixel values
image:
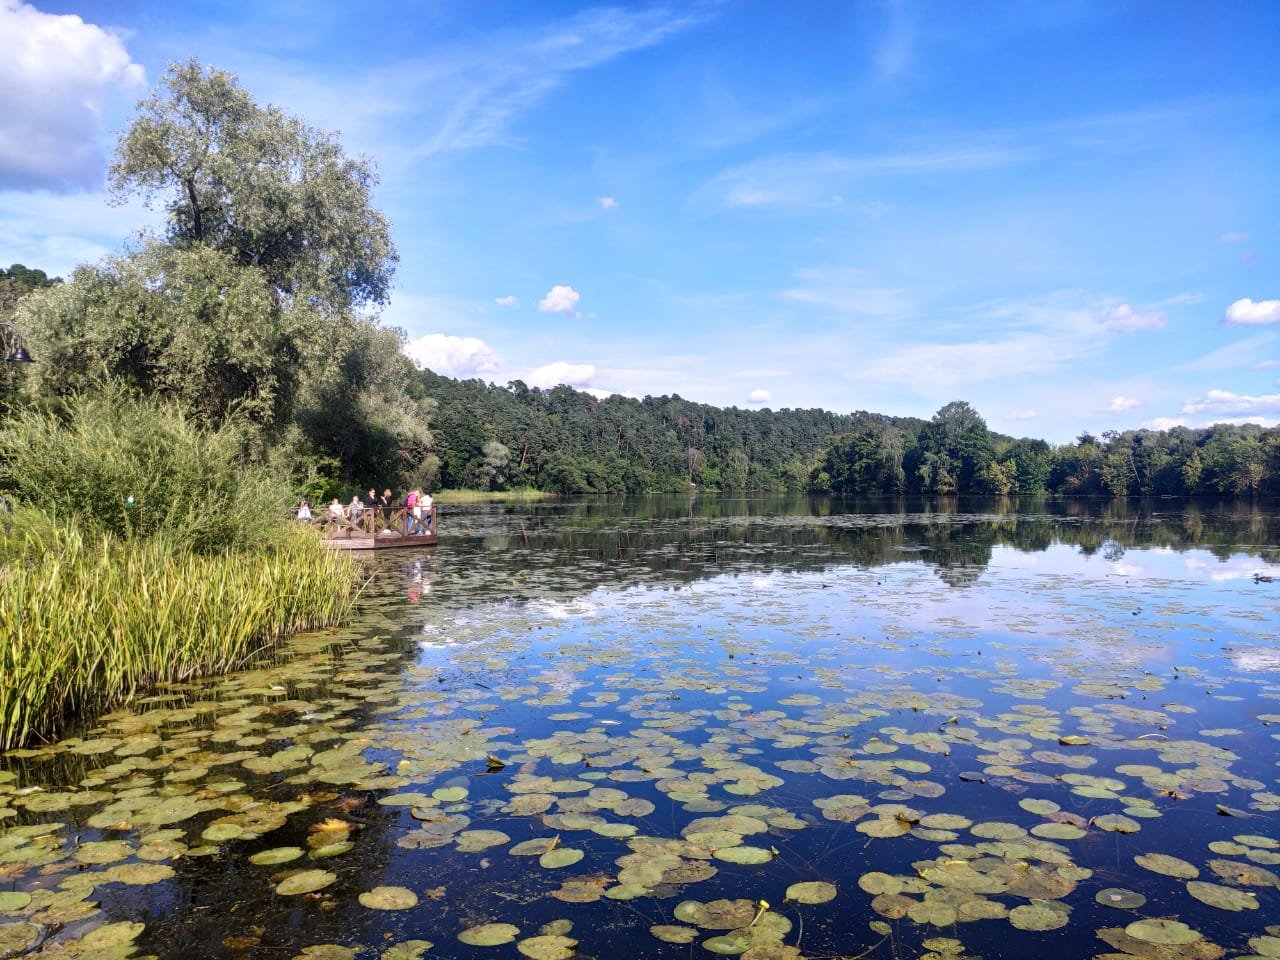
(1064, 212)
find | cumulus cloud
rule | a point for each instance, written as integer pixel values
(562, 300)
(1250, 313)
(759, 395)
(453, 356)
(570, 374)
(506, 301)
(1125, 319)
(1226, 403)
(56, 75)
(607, 203)
(1122, 403)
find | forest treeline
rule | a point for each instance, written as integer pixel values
(492, 437)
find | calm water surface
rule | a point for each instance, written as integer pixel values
(967, 729)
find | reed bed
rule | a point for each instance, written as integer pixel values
(88, 623)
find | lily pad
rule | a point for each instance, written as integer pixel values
(811, 891)
(489, 934)
(548, 947)
(305, 881)
(1167, 865)
(389, 898)
(560, 857)
(1120, 898)
(1162, 932)
(276, 855)
(1224, 898)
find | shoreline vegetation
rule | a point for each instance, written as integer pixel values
(142, 550)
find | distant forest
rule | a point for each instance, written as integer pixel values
(491, 437)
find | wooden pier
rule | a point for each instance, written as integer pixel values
(377, 528)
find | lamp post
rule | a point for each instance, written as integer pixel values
(18, 353)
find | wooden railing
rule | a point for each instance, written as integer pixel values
(375, 522)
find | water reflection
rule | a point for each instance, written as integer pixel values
(967, 720)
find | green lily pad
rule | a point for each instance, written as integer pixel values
(389, 898)
(1120, 898)
(1167, 865)
(1162, 932)
(559, 857)
(1224, 898)
(11, 900)
(674, 933)
(548, 947)
(276, 855)
(489, 934)
(1040, 915)
(811, 891)
(450, 794)
(744, 855)
(408, 950)
(305, 881)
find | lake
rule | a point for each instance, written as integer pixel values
(761, 727)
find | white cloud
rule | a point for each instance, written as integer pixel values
(1235, 236)
(1226, 403)
(759, 395)
(570, 374)
(1122, 403)
(607, 203)
(1165, 423)
(562, 300)
(598, 393)
(506, 301)
(1021, 415)
(453, 356)
(1248, 312)
(1124, 319)
(1267, 365)
(57, 74)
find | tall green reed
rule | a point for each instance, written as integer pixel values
(88, 623)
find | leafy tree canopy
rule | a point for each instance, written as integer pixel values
(260, 186)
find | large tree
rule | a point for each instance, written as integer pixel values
(259, 185)
(254, 302)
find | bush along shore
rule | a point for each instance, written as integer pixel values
(103, 597)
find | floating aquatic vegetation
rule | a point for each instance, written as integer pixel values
(671, 743)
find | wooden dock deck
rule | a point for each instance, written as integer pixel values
(378, 528)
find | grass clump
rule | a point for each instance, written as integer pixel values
(101, 599)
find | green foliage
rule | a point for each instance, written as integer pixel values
(88, 621)
(188, 485)
(260, 186)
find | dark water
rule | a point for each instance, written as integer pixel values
(967, 718)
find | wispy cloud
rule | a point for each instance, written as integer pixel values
(848, 291)
(895, 51)
(821, 179)
(1226, 403)
(507, 301)
(1124, 319)
(471, 98)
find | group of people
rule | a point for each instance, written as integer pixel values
(420, 512)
